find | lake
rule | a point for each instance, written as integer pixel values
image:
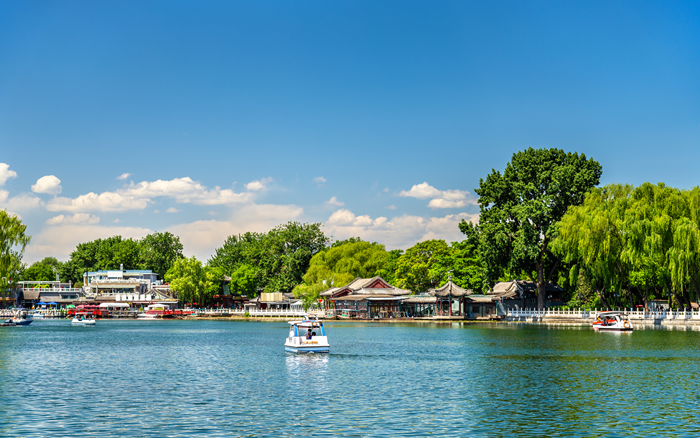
(225, 378)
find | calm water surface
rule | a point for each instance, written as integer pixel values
(219, 378)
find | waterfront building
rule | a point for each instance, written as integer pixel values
(138, 287)
(450, 299)
(33, 292)
(274, 301)
(520, 294)
(365, 298)
(419, 306)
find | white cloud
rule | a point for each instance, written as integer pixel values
(345, 217)
(439, 198)
(6, 173)
(25, 201)
(421, 191)
(172, 210)
(391, 207)
(48, 184)
(78, 218)
(59, 240)
(124, 176)
(256, 185)
(138, 196)
(320, 180)
(398, 232)
(107, 201)
(334, 202)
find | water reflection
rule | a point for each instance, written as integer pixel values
(215, 378)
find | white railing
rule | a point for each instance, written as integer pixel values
(593, 313)
(55, 289)
(294, 312)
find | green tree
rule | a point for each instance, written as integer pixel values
(339, 265)
(520, 207)
(244, 280)
(188, 278)
(592, 237)
(158, 252)
(424, 266)
(281, 256)
(101, 254)
(13, 241)
(39, 272)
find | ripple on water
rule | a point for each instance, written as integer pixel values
(217, 378)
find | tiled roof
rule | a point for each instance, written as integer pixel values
(450, 289)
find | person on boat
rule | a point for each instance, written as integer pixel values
(309, 335)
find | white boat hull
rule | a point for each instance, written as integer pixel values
(318, 344)
(612, 328)
(83, 322)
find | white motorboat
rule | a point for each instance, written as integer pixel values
(83, 319)
(612, 321)
(307, 336)
(22, 318)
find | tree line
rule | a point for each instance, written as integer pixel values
(543, 218)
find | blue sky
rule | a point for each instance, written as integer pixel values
(375, 118)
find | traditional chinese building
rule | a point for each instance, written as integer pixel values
(519, 294)
(365, 298)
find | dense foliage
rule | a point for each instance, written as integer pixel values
(520, 207)
(340, 264)
(13, 241)
(635, 244)
(193, 282)
(157, 252)
(271, 262)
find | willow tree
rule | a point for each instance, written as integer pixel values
(189, 279)
(591, 237)
(339, 265)
(646, 238)
(520, 207)
(13, 241)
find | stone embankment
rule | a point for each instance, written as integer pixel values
(586, 317)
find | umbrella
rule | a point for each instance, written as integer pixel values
(42, 303)
(70, 306)
(52, 304)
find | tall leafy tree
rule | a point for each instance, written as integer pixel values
(340, 264)
(44, 270)
(188, 278)
(592, 237)
(424, 266)
(159, 251)
(280, 257)
(13, 241)
(520, 206)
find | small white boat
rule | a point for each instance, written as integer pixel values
(613, 321)
(307, 336)
(82, 319)
(22, 318)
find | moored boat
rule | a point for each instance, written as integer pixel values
(156, 311)
(612, 321)
(22, 318)
(304, 338)
(83, 318)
